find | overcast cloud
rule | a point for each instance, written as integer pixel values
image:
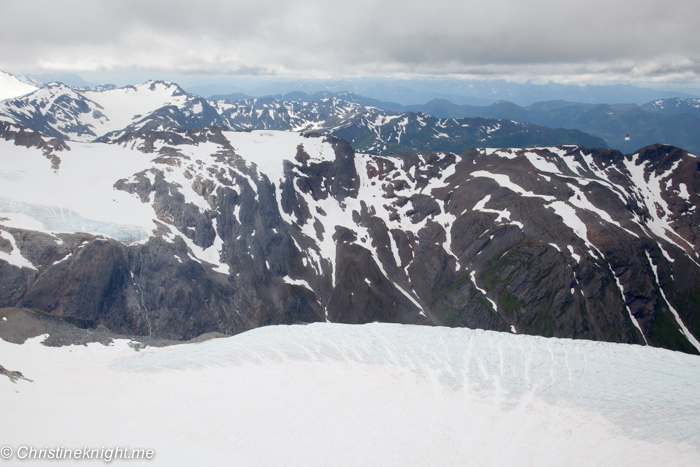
(584, 41)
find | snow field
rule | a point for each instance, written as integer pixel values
(269, 149)
(378, 395)
(79, 196)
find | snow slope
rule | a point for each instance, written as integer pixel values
(124, 106)
(376, 395)
(269, 149)
(11, 87)
(79, 196)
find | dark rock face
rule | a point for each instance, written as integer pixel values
(22, 136)
(90, 284)
(564, 242)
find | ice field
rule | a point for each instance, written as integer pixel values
(377, 394)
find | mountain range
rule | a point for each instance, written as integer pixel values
(108, 114)
(673, 121)
(460, 91)
(145, 210)
(443, 125)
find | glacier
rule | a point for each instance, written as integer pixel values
(374, 394)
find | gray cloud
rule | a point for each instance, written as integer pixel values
(608, 39)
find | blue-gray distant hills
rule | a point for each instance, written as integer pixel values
(673, 121)
(668, 121)
(458, 91)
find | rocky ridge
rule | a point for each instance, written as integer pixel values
(562, 241)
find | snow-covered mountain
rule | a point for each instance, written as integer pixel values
(84, 115)
(109, 114)
(177, 233)
(376, 395)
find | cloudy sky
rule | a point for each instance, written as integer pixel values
(587, 41)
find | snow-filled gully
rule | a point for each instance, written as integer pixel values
(681, 326)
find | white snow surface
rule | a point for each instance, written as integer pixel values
(298, 282)
(14, 257)
(269, 149)
(375, 395)
(569, 217)
(504, 181)
(11, 87)
(79, 197)
(483, 292)
(540, 163)
(124, 106)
